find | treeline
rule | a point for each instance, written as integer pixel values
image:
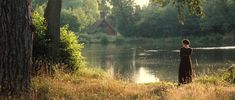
(78, 14)
(158, 19)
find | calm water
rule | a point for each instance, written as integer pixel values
(142, 64)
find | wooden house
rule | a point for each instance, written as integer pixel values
(102, 25)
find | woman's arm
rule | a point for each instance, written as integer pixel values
(191, 51)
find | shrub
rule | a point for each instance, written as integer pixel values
(69, 46)
(229, 75)
(85, 38)
(104, 40)
(120, 39)
(70, 49)
(40, 40)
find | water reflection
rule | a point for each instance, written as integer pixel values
(143, 75)
(214, 48)
(152, 65)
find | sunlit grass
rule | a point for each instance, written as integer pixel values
(200, 91)
(66, 86)
(93, 84)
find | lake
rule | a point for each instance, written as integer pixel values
(143, 64)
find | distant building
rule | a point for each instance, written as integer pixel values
(102, 25)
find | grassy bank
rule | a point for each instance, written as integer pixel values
(95, 84)
(209, 40)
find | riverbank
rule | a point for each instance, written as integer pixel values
(95, 84)
(208, 40)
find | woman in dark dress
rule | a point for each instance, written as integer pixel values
(185, 68)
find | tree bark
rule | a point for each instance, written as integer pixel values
(52, 15)
(15, 47)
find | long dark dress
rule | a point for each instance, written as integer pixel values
(185, 68)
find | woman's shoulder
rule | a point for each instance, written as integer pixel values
(190, 48)
(183, 48)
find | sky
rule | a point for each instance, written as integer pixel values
(142, 2)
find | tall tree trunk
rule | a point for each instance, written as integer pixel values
(52, 15)
(15, 47)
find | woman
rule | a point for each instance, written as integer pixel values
(185, 68)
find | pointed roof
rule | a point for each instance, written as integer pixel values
(104, 24)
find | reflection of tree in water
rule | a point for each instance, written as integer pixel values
(128, 61)
(116, 59)
(211, 60)
(108, 56)
(125, 61)
(205, 55)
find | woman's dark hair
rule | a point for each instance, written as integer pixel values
(186, 41)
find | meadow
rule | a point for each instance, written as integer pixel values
(95, 84)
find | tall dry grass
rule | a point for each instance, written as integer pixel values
(198, 91)
(94, 84)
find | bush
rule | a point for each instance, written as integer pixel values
(120, 39)
(104, 40)
(40, 40)
(98, 37)
(69, 46)
(229, 75)
(70, 49)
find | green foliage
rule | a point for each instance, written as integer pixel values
(211, 79)
(123, 16)
(104, 40)
(70, 49)
(40, 38)
(120, 39)
(220, 77)
(191, 6)
(197, 41)
(158, 22)
(219, 16)
(37, 3)
(70, 17)
(158, 19)
(194, 7)
(210, 40)
(229, 75)
(104, 7)
(97, 38)
(160, 2)
(39, 22)
(96, 72)
(79, 14)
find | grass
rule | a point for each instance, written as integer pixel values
(200, 91)
(95, 84)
